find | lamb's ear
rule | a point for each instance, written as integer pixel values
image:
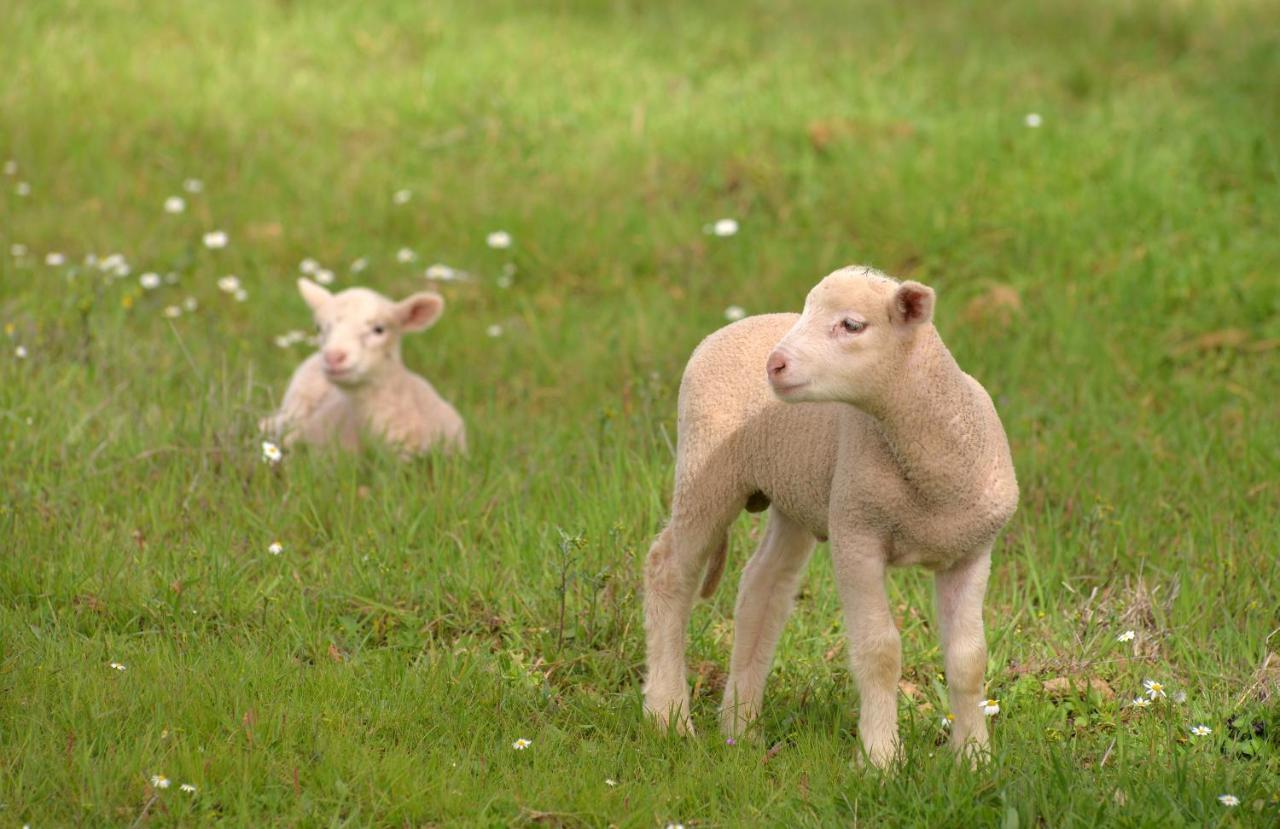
(419, 311)
(315, 295)
(912, 304)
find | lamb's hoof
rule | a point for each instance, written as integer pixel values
(670, 718)
(739, 728)
(881, 758)
(971, 753)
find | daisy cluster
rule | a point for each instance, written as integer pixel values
(1153, 692)
(217, 241)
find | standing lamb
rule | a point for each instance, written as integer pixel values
(851, 422)
(357, 381)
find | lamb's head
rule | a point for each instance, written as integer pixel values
(359, 329)
(852, 339)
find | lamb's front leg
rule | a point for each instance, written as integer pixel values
(312, 408)
(960, 591)
(875, 648)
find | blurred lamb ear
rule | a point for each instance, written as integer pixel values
(314, 295)
(419, 311)
(912, 304)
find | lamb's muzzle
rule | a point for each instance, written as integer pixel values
(781, 380)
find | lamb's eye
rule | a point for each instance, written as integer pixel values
(852, 326)
(379, 329)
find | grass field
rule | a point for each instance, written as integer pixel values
(1112, 276)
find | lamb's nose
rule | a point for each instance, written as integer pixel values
(335, 357)
(777, 364)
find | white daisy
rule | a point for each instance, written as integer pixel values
(324, 276)
(271, 453)
(308, 266)
(18, 250)
(1201, 730)
(401, 196)
(948, 719)
(115, 264)
(1154, 689)
(404, 255)
(23, 189)
(443, 273)
(11, 168)
(359, 265)
(116, 666)
(990, 707)
(521, 744)
(1127, 636)
(1033, 120)
(193, 185)
(172, 312)
(725, 227)
(498, 240)
(275, 548)
(734, 313)
(20, 352)
(188, 788)
(610, 782)
(283, 342)
(508, 275)
(241, 295)
(55, 259)
(149, 281)
(494, 330)
(1228, 800)
(190, 304)
(215, 239)
(1141, 702)
(229, 284)
(159, 781)
(175, 205)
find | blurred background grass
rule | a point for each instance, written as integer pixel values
(1110, 276)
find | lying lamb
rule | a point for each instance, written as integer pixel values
(852, 422)
(357, 383)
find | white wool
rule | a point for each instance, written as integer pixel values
(850, 422)
(357, 382)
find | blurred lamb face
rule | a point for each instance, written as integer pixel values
(359, 329)
(849, 338)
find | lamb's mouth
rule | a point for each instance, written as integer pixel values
(783, 390)
(338, 373)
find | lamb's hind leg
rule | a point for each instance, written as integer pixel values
(675, 567)
(960, 591)
(765, 597)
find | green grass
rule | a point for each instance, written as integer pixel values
(424, 616)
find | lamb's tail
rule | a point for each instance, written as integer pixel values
(715, 568)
